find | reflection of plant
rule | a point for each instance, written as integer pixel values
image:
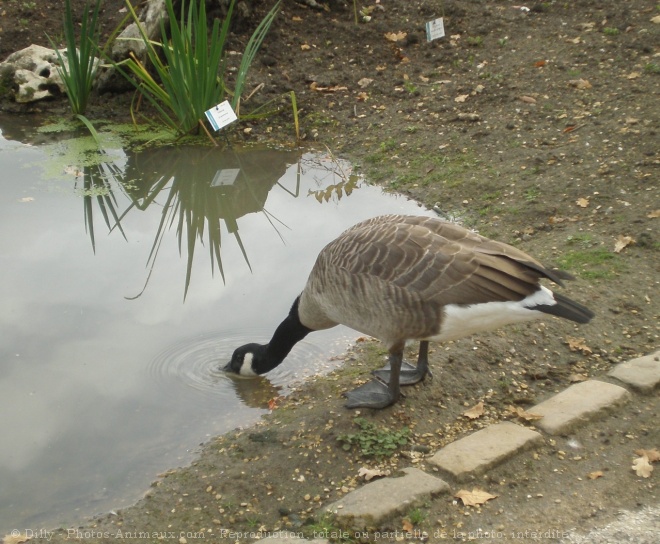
(97, 185)
(347, 181)
(79, 70)
(187, 80)
(373, 441)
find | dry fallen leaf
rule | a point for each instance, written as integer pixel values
(622, 242)
(578, 344)
(474, 497)
(461, 98)
(296, 19)
(652, 455)
(633, 75)
(528, 99)
(15, 538)
(523, 414)
(656, 20)
(272, 403)
(407, 526)
(370, 473)
(364, 82)
(305, 47)
(582, 202)
(395, 36)
(642, 467)
(580, 84)
(595, 474)
(476, 411)
(574, 378)
(654, 214)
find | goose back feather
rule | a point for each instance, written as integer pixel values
(394, 277)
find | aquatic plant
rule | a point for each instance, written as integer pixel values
(78, 63)
(189, 66)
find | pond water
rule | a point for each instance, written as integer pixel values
(127, 280)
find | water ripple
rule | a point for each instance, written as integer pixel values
(197, 363)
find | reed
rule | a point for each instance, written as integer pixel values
(78, 63)
(189, 64)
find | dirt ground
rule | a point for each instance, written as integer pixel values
(538, 127)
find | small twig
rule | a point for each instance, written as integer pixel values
(201, 123)
(257, 88)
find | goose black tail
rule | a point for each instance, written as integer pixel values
(568, 309)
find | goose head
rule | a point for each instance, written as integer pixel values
(250, 360)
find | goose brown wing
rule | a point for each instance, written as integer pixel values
(435, 261)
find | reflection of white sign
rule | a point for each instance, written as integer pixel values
(435, 29)
(225, 177)
(221, 115)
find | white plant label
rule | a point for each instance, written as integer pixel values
(225, 177)
(435, 29)
(221, 115)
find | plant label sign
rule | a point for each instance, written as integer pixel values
(221, 115)
(225, 177)
(435, 29)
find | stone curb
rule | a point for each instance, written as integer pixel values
(374, 502)
(578, 404)
(476, 453)
(642, 373)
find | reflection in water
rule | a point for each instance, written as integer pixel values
(104, 393)
(202, 189)
(203, 192)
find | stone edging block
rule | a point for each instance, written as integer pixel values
(577, 404)
(377, 501)
(476, 453)
(642, 373)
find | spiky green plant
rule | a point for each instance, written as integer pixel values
(189, 66)
(78, 65)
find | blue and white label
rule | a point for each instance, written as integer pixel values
(435, 29)
(221, 115)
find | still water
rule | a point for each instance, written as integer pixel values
(126, 280)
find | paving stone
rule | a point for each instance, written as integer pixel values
(291, 538)
(476, 453)
(377, 501)
(642, 373)
(577, 404)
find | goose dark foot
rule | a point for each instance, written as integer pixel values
(409, 374)
(373, 394)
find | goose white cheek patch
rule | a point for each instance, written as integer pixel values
(246, 367)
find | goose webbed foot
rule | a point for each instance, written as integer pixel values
(409, 374)
(373, 394)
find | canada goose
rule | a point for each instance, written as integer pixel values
(401, 278)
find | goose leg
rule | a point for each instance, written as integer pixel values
(376, 393)
(410, 374)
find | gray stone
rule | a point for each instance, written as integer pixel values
(377, 501)
(130, 42)
(35, 72)
(577, 404)
(476, 453)
(642, 373)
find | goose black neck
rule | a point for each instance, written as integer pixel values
(288, 334)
